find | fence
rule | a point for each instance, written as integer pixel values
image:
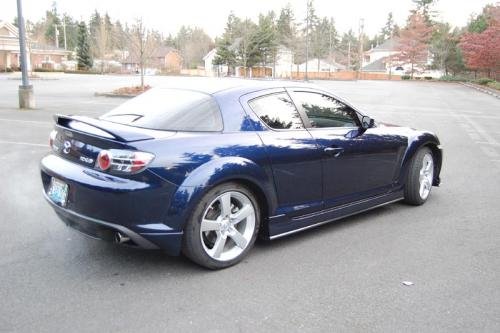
(344, 75)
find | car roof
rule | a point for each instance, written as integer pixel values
(214, 86)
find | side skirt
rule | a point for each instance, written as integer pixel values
(287, 227)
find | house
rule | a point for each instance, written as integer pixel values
(383, 59)
(163, 59)
(320, 65)
(210, 68)
(39, 56)
(284, 63)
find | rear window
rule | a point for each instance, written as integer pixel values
(169, 109)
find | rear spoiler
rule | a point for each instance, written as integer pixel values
(101, 128)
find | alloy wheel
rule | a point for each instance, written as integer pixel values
(227, 226)
(426, 176)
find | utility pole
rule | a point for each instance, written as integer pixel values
(64, 32)
(307, 39)
(349, 55)
(361, 27)
(26, 95)
(57, 36)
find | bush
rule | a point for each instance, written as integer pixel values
(494, 85)
(80, 72)
(451, 78)
(416, 77)
(428, 77)
(484, 81)
(405, 77)
(45, 70)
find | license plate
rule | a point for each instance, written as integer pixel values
(58, 191)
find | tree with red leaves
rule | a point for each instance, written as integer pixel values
(481, 51)
(413, 44)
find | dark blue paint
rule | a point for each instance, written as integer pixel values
(297, 182)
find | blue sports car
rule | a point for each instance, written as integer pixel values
(206, 167)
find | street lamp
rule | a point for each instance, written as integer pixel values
(26, 95)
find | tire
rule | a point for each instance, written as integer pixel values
(223, 227)
(420, 177)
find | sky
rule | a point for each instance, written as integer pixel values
(167, 16)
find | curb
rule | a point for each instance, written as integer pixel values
(484, 90)
(114, 95)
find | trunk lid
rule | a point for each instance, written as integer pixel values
(80, 139)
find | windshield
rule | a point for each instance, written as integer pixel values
(169, 109)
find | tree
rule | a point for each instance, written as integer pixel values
(413, 43)
(82, 48)
(226, 53)
(482, 50)
(388, 29)
(424, 8)
(481, 22)
(52, 25)
(444, 47)
(349, 49)
(101, 42)
(193, 44)
(143, 44)
(263, 42)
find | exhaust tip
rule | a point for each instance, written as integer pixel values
(121, 238)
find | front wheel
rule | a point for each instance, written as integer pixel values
(223, 227)
(420, 177)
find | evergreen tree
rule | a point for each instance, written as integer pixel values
(388, 29)
(82, 48)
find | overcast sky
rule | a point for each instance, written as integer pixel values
(167, 16)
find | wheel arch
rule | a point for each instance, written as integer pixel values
(215, 173)
(424, 139)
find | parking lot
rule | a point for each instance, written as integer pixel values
(345, 276)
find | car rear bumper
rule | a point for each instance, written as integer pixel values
(111, 208)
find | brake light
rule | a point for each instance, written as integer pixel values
(103, 160)
(126, 161)
(52, 138)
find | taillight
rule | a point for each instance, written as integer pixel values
(126, 161)
(52, 138)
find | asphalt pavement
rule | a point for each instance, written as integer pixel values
(344, 276)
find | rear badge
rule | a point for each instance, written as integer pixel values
(87, 160)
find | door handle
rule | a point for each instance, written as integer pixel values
(335, 151)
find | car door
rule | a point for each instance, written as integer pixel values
(292, 151)
(357, 163)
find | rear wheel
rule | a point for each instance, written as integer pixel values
(420, 177)
(223, 227)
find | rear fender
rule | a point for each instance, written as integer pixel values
(215, 172)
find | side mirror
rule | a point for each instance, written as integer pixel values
(367, 122)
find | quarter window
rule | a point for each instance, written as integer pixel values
(326, 111)
(277, 111)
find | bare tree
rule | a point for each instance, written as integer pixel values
(143, 44)
(102, 41)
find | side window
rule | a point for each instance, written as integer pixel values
(277, 111)
(325, 111)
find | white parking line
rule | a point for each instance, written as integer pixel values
(26, 121)
(25, 144)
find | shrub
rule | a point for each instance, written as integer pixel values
(428, 77)
(484, 81)
(405, 77)
(494, 85)
(45, 70)
(416, 77)
(452, 78)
